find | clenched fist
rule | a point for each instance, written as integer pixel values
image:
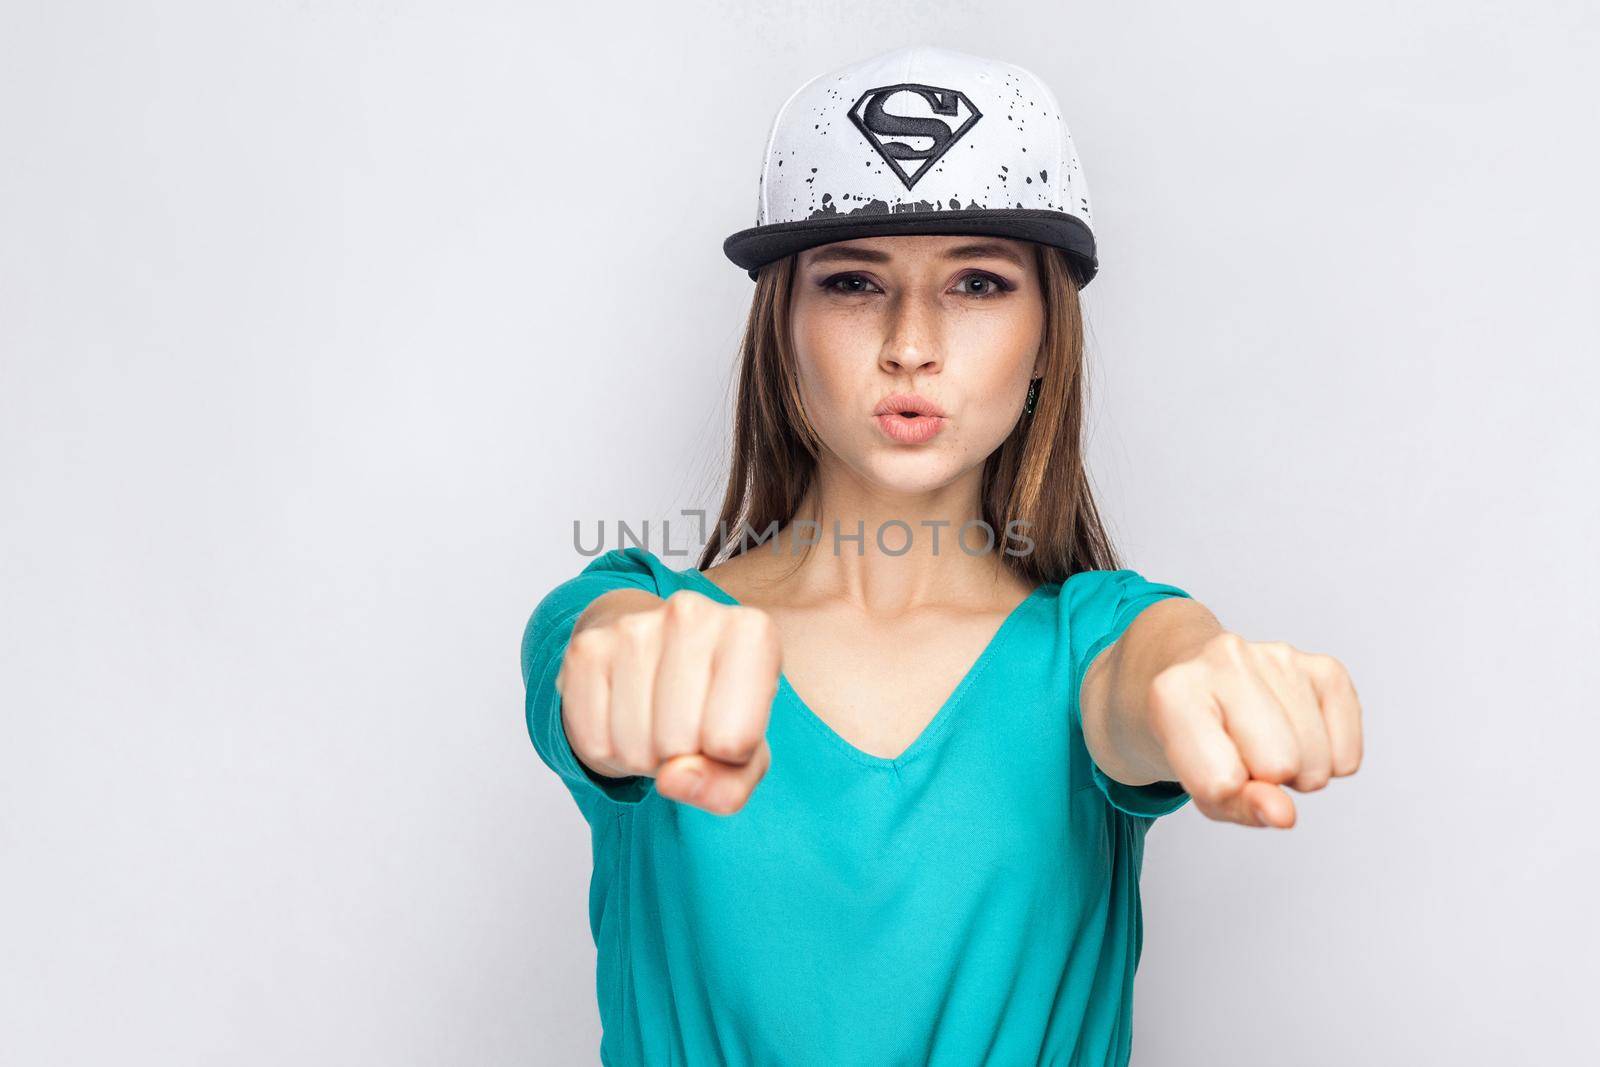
(679, 690)
(1241, 719)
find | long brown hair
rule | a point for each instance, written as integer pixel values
(1037, 475)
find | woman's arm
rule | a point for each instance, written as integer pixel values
(1178, 698)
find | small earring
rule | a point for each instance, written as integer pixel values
(1033, 395)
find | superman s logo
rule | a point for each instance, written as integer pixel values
(893, 116)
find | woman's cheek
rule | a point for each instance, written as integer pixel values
(829, 386)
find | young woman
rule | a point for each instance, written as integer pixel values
(870, 785)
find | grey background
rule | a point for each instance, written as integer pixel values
(320, 323)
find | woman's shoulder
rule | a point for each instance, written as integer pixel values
(642, 567)
(1114, 584)
(747, 578)
(1090, 602)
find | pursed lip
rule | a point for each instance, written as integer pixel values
(902, 403)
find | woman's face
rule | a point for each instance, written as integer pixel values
(954, 320)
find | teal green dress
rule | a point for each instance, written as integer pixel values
(973, 901)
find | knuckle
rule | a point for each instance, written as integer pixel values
(672, 737)
(727, 745)
(1167, 686)
(1167, 717)
(588, 739)
(1326, 667)
(635, 758)
(684, 605)
(753, 624)
(1228, 645)
(635, 630)
(1309, 781)
(587, 646)
(1280, 651)
(1278, 769)
(1213, 790)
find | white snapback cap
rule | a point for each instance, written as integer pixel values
(919, 140)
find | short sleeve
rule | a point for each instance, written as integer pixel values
(1100, 606)
(544, 645)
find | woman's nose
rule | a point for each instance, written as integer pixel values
(912, 343)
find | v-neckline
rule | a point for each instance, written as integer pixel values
(932, 728)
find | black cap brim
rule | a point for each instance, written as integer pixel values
(757, 246)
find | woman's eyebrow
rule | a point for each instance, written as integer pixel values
(976, 250)
(985, 248)
(832, 254)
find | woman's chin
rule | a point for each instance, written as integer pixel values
(910, 470)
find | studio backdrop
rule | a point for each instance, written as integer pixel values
(323, 324)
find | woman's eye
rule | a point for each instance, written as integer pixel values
(979, 285)
(988, 285)
(851, 284)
